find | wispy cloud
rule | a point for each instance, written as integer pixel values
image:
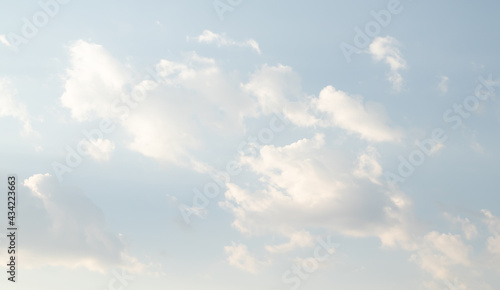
(101, 149)
(239, 256)
(70, 230)
(368, 166)
(3, 39)
(353, 115)
(387, 49)
(443, 84)
(222, 40)
(10, 107)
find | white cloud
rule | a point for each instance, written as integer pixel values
(492, 221)
(436, 148)
(239, 256)
(447, 256)
(469, 229)
(475, 145)
(162, 125)
(3, 39)
(94, 82)
(304, 185)
(368, 166)
(298, 239)
(9, 107)
(451, 246)
(222, 40)
(278, 89)
(387, 49)
(64, 228)
(443, 84)
(439, 252)
(493, 244)
(101, 149)
(273, 86)
(351, 114)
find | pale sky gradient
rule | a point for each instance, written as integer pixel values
(229, 144)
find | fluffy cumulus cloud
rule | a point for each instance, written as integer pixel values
(454, 260)
(289, 191)
(277, 89)
(293, 190)
(368, 120)
(303, 185)
(165, 112)
(387, 49)
(168, 113)
(94, 81)
(65, 228)
(222, 40)
(10, 107)
(441, 251)
(193, 96)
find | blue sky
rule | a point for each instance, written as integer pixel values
(252, 145)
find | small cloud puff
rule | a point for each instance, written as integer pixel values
(222, 40)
